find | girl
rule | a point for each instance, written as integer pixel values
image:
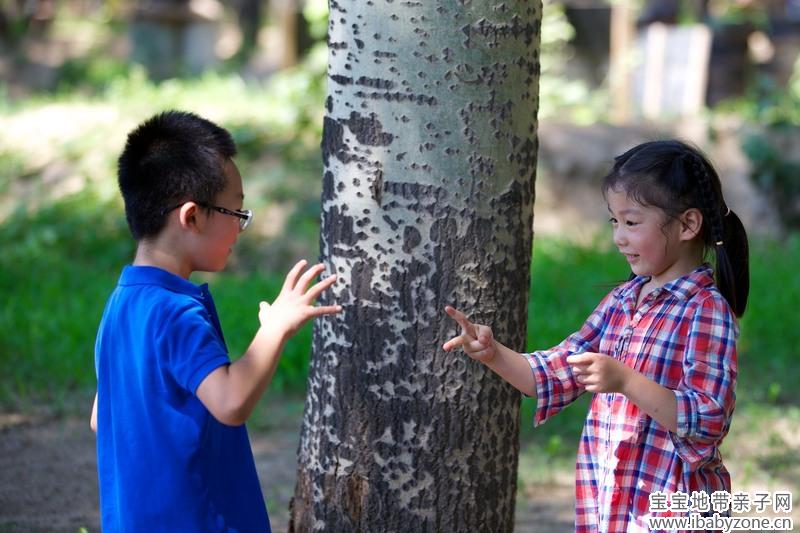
(658, 351)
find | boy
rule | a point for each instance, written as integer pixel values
(172, 450)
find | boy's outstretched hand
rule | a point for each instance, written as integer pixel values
(230, 392)
(476, 340)
(293, 307)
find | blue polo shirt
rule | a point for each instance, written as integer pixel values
(164, 462)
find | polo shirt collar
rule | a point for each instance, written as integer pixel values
(148, 275)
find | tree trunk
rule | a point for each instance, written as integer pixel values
(429, 147)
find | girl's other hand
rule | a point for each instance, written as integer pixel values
(476, 340)
(598, 372)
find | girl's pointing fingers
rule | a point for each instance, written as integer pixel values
(462, 320)
(455, 342)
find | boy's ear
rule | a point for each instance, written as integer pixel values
(190, 217)
(691, 222)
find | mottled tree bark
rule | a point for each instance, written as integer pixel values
(429, 148)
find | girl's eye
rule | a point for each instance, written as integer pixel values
(612, 220)
(631, 223)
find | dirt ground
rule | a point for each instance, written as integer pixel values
(48, 478)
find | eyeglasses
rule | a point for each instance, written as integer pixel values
(245, 216)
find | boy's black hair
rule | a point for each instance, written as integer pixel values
(674, 176)
(170, 158)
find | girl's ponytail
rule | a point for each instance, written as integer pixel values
(733, 268)
(725, 233)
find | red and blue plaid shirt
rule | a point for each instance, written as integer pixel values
(682, 336)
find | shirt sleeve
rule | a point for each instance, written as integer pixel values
(556, 387)
(195, 347)
(706, 395)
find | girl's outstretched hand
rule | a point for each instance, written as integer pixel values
(476, 340)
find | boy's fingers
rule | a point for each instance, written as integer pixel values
(307, 276)
(291, 277)
(320, 287)
(462, 320)
(325, 310)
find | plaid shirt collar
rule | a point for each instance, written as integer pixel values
(683, 287)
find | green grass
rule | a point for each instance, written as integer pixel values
(62, 251)
(769, 369)
(60, 263)
(58, 267)
(56, 270)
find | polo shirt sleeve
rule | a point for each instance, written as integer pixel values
(706, 395)
(556, 386)
(195, 348)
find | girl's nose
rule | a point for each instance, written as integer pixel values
(618, 237)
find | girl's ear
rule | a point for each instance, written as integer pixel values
(190, 217)
(691, 222)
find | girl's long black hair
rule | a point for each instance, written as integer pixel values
(674, 177)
